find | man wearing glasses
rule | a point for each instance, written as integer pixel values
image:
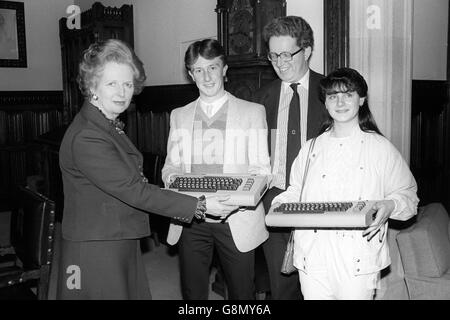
(294, 115)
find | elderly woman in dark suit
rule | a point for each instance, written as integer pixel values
(106, 195)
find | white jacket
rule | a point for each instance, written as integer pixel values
(364, 166)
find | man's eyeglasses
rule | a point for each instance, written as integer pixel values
(285, 56)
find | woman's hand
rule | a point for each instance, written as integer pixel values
(215, 206)
(383, 211)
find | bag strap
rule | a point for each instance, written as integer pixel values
(305, 172)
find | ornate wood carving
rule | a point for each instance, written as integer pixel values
(240, 24)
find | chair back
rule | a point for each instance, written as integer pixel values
(425, 247)
(33, 225)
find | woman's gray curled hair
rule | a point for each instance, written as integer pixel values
(98, 54)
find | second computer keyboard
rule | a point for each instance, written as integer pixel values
(349, 214)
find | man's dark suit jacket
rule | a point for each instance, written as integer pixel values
(105, 191)
(269, 97)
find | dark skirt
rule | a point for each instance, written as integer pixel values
(102, 270)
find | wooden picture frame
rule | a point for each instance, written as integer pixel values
(13, 53)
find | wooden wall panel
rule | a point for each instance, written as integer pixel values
(24, 116)
(430, 141)
(152, 114)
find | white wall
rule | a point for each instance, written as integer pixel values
(164, 29)
(43, 48)
(430, 39)
(381, 50)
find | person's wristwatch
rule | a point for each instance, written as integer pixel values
(200, 212)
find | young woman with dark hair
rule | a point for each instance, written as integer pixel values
(351, 161)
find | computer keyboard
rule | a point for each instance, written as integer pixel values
(244, 190)
(349, 214)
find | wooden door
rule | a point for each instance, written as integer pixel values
(430, 141)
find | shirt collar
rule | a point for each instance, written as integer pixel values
(304, 81)
(215, 104)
